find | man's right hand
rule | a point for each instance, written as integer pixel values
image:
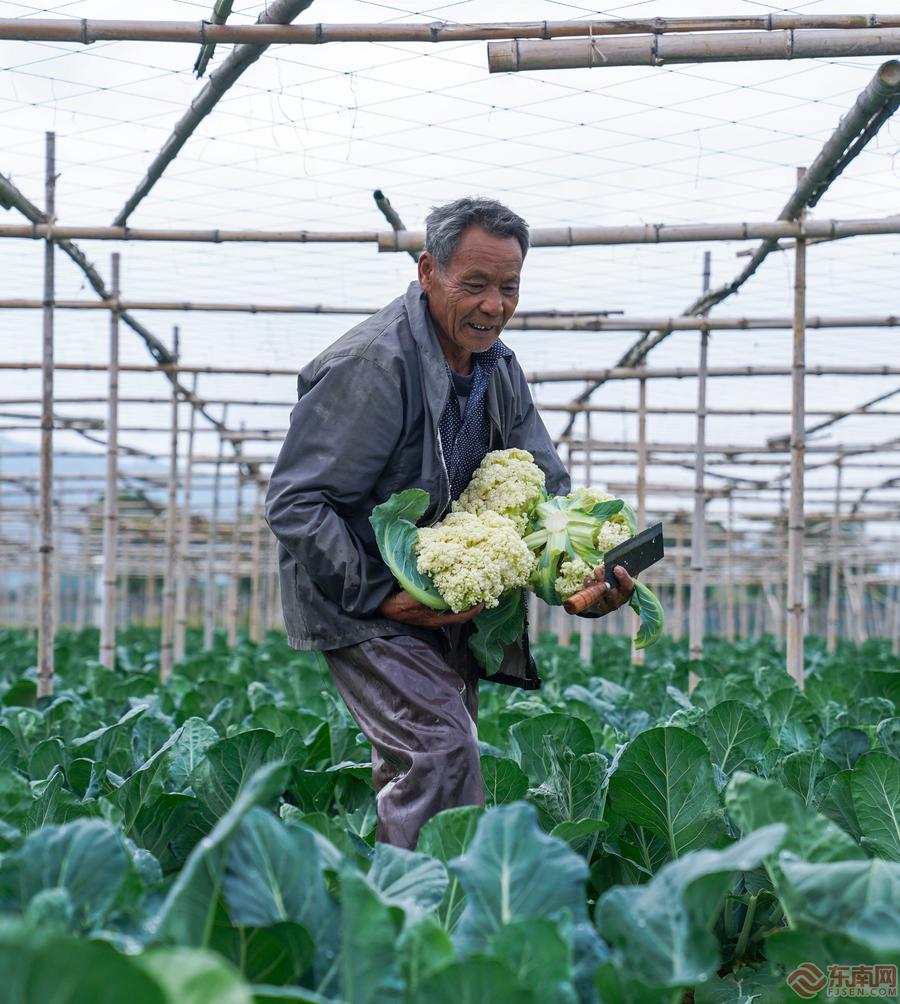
(408, 610)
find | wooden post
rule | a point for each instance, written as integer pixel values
(637, 654)
(255, 566)
(796, 522)
(729, 573)
(168, 598)
(234, 583)
(678, 623)
(895, 619)
(835, 563)
(182, 570)
(698, 529)
(45, 601)
(110, 500)
(588, 454)
(209, 616)
(534, 612)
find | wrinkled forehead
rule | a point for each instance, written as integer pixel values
(479, 252)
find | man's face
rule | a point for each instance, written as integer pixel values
(475, 294)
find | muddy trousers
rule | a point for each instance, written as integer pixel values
(417, 704)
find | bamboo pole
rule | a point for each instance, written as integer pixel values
(209, 622)
(83, 600)
(558, 319)
(835, 564)
(895, 619)
(413, 240)
(637, 654)
(255, 563)
(678, 626)
(182, 567)
(85, 31)
(168, 597)
(661, 50)
(234, 582)
(275, 12)
(796, 525)
(45, 618)
(535, 376)
(729, 573)
(111, 496)
(698, 529)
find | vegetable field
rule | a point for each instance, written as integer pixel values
(212, 839)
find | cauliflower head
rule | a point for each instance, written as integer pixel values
(473, 558)
(572, 574)
(613, 532)
(507, 482)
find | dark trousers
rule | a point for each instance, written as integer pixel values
(417, 704)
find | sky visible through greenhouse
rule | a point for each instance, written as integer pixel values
(307, 134)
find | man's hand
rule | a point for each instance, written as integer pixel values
(408, 610)
(612, 599)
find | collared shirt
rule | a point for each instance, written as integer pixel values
(465, 431)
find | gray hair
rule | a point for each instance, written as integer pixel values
(444, 226)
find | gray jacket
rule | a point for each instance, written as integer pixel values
(364, 427)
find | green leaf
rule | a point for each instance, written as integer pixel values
(530, 746)
(497, 626)
(423, 948)
(188, 911)
(648, 608)
(513, 871)
(662, 931)
(219, 777)
(736, 735)
(101, 743)
(664, 781)
(845, 746)
(144, 785)
(859, 900)
(413, 881)
(191, 746)
(394, 523)
(369, 971)
(187, 976)
(837, 803)
(86, 858)
(446, 836)
(753, 803)
(9, 751)
(888, 733)
(273, 874)
(170, 828)
(504, 780)
(45, 967)
(540, 954)
(875, 784)
(474, 980)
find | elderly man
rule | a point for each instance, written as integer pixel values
(415, 396)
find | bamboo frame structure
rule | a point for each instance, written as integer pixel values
(275, 12)
(871, 109)
(111, 495)
(166, 659)
(796, 527)
(47, 627)
(182, 570)
(664, 49)
(86, 31)
(413, 240)
(526, 320)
